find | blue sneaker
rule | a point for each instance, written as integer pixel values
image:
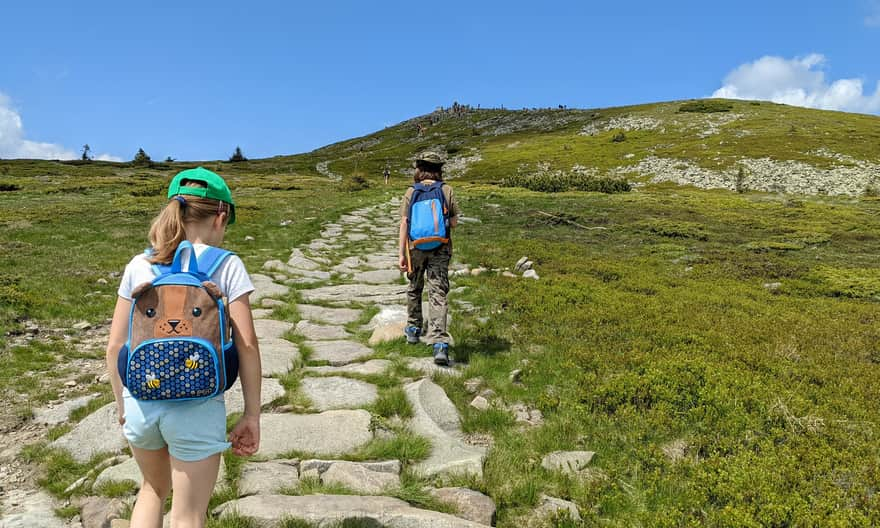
(441, 354)
(412, 334)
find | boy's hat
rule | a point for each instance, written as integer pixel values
(216, 188)
(429, 156)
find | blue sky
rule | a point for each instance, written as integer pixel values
(277, 77)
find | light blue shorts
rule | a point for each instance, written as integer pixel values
(193, 430)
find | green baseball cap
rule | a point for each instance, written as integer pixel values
(216, 187)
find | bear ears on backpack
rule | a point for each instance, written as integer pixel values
(212, 289)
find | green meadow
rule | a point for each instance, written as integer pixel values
(719, 351)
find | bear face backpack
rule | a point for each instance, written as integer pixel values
(180, 343)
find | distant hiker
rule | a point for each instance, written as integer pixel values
(171, 406)
(386, 174)
(428, 214)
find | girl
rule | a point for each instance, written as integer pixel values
(177, 444)
(433, 264)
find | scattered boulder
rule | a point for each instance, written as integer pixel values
(526, 416)
(480, 403)
(472, 385)
(567, 461)
(519, 264)
(531, 274)
(99, 512)
(551, 506)
(471, 505)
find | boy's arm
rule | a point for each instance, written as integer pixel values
(402, 258)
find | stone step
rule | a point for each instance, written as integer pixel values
(436, 418)
(357, 293)
(265, 287)
(324, 510)
(318, 332)
(335, 392)
(320, 314)
(271, 328)
(324, 434)
(270, 390)
(277, 356)
(373, 366)
(29, 509)
(98, 432)
(382, 276)
(338, 352)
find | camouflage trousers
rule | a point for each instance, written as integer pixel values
(432, 266)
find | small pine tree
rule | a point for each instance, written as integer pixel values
(237, 155)
(141, 158)
(86, 152)
(169, 159)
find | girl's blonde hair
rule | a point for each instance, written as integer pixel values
(168, 228)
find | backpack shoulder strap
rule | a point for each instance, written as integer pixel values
(211, 259)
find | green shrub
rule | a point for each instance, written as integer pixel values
(858, 283)
(706, 106)
(671, 229)
(561, 182)
(9, 187)
(619, 137)
(357, 182)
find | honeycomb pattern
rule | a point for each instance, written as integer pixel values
(172, 369)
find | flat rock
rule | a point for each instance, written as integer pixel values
(551, 506)
(320, 466)
(128, 471)
(373, 366)
(29, 509)
(277, 356)
(356, 237)
(328, 510)
(319, 332)
(299, 260)
(266, 478)
(271, 329)
(270, 390)
(378, 276)
(360, 478)
(98, 512)
(471, 505)
(98, 432)
(266, 287)
(320, 314)
(435, 417)
(338, 393)
(388, 332)
(426, 366)
(327, 433)
(337, 352)
(357, 293)
(261, 313)
(56, 414)
(567, 461)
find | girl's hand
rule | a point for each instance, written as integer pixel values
(245, 436)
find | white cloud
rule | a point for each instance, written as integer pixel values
(800, 82)
(14, 145)
(873, 18)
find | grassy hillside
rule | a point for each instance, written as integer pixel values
(718, 350)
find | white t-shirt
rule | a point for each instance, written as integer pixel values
(231, 276)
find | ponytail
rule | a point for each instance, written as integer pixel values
(167, 233)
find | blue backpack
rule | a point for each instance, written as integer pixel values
(180, 344)
(428, 217)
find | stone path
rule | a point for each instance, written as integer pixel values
(352, 265)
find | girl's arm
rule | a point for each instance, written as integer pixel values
(245, 437)
(118, 336)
